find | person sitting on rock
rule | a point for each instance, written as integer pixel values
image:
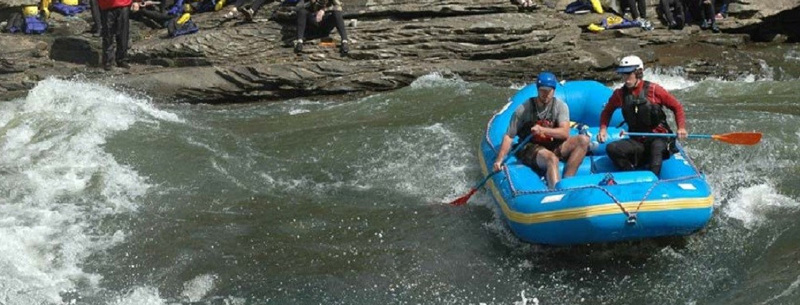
(248, 11)
(145, 11)
(638, 8)
(705, 10)
(323, 16)
(525, 4)
(672, 11)
(176, 25)
(723, 10)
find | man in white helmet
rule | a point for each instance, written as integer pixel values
(642, 105)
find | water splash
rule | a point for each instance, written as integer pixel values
(439, 80)
(57, 181)
(752, 203)
(198, 287)
(413, 170)
(674, 78)
(140, 296)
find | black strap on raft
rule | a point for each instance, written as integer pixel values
(630, 217)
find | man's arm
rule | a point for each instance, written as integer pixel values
(614, 102)
(505, 146)
(666, 99)
(561, 131)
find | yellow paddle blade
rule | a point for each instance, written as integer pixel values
(741, 138)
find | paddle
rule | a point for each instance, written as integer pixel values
(741, 138)
(463, 199)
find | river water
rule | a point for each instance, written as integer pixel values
(109, 198)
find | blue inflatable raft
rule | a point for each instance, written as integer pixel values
(584, 208)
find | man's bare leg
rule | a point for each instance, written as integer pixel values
(547, 159)
(574, 150)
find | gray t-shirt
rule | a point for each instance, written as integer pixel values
(556, 112)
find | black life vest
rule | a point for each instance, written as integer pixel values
(535, 119)
(640, 114)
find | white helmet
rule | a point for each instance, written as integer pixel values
(629, 64)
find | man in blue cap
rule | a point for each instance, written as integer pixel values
(546, 119)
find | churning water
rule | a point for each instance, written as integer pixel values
(108, 198)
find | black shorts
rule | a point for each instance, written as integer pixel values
(527, 155)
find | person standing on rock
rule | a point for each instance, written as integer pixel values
(323, 16)
(546, 120)
(642, 105)
(96, 21)
(115, 24)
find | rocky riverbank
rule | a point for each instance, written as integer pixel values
(396, 41)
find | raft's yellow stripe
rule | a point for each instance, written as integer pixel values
(597, 210)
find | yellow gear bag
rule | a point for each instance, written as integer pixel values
(219, 5)
(613, 20)
(597, 6)
(595, 28)
(185, 17)
(30, 11)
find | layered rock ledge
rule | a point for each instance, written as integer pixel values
(396, 41)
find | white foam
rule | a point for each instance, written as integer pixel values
(412, 160)
(517, 86)
(792, 55)
(526, 301)
(751, 203)
(296, 107)
(198, 287)
(57, 182)
(140, 296)
(673, 78)
(767, 71)
(437, 80)
(420, 157)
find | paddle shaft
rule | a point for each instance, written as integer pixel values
(739, 138)
(668, 135)
(513, 151)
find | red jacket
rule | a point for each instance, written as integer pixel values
(112, 4)
(657, 95)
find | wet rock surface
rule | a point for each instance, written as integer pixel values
(493, 41)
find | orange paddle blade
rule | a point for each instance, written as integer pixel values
(742, 138)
